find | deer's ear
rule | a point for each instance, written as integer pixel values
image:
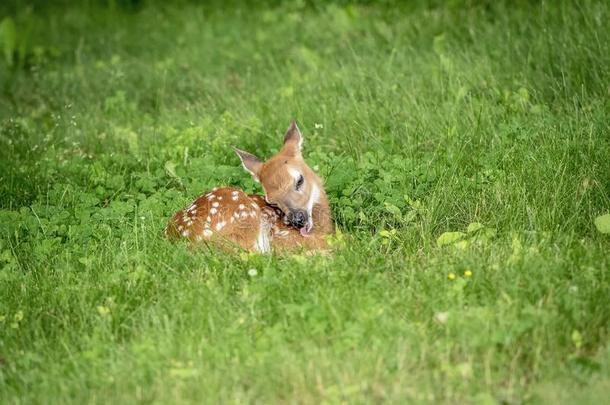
(250, 162)
(293, 140)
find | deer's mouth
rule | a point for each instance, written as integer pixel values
(306, 230)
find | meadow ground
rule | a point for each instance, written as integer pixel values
(487, 118)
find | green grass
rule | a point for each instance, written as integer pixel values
(422, 118)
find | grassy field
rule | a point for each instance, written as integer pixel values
(466, 151)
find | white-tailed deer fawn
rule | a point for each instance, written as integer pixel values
(293, 214)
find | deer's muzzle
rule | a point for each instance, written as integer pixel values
(297, 218)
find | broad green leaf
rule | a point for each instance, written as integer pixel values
(394, 210)
(362, 216)
(602, 223)
(474, 226)
(170, 168)
(462, 244)
(448, 238)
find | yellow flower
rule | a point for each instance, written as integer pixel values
(468, 273)
(451, 276)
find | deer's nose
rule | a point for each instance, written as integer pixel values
(298, 218)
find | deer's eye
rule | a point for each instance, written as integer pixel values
(300, 182)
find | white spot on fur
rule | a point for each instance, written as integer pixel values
(211, 197)
(208, 219)
(220, 225)
(234, 198)
(236, 214)
(185, 233)
(242, 207)
(207, 233)
(215, 204)
(220, 197)
(213, 211)
(180, 227)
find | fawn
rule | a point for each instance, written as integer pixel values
(293, 214)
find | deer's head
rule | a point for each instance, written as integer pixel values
(287, 181)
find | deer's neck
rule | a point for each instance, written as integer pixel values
(322, 221)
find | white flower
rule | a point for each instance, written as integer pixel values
(252, 272)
